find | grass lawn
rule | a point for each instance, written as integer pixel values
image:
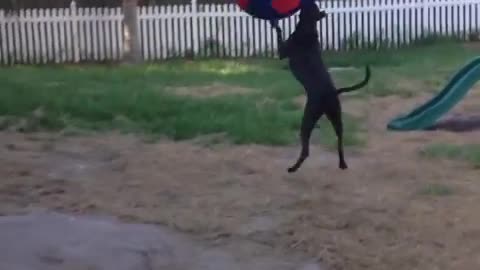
(467, 152)
(145, 99)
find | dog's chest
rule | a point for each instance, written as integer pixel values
(303, 42)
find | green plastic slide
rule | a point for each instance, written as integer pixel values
(425, 115)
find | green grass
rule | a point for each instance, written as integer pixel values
(134, 99)
(404, 72)
(436, 190)
(468, 152)
(137, 99)
(447, 51)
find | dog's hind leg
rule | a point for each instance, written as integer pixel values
(311, 115)
(334, 115)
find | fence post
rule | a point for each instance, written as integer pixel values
(3, 39)
(195, 27)
(75, 39)
(425, 19)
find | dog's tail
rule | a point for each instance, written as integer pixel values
(356, 86)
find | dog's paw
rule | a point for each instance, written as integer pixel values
(278, 30)
(274, 24)
(292, 169)
(323, 14)
(343, 166)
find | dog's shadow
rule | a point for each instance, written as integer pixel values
(458, 123)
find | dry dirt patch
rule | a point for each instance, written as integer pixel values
(372, 216)
(212, 90)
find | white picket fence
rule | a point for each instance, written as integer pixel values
(96, 34)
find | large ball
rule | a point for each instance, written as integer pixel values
(270, 9)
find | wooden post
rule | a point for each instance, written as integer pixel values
(75, 39)
(195, 34)
(132, 51)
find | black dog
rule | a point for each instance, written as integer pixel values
(305, 60)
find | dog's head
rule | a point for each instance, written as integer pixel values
(309, 12)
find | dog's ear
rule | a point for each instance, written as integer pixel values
(310, 11)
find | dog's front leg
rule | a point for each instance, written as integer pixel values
(282, 50)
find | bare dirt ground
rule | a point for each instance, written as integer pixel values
(373, 216)
(215, 89)
(44, 240)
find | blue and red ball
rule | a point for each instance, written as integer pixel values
(270, 9)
